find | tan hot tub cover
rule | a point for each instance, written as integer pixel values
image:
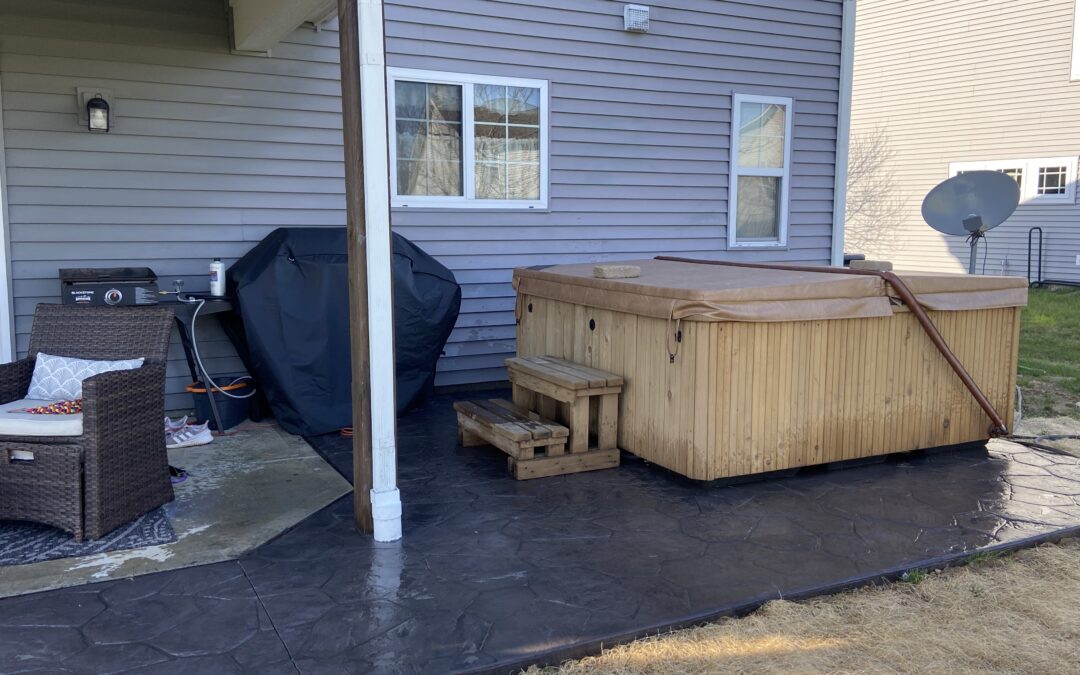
(670, 289)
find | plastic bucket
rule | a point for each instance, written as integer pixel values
(233, 411)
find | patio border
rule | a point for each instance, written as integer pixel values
(582, 649)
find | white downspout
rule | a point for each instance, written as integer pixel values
(843, 131)
(7, 303)
(385, 497)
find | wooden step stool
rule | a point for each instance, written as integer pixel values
(536, 447)
(562, 390)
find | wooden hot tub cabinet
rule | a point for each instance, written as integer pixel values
(730, 371)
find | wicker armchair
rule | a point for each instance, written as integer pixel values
(118, 468)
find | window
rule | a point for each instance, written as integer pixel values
(467, 141)
(760, 171)
(1041, 181)
(1052, 180)
(1014, 172)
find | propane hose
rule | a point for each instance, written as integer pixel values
(198, 359)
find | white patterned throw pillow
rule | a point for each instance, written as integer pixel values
(60, 378)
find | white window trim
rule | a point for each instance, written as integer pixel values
(7, 307)
(734, 171)
(467, 147)
(1075, 72)
(1029, 189)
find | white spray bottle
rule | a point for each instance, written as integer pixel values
(217, 278)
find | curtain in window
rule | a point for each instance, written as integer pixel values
(761, 147)
(428, 138)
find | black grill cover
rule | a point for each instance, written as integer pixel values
(291, 293)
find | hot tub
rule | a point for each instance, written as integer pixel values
(734, 371)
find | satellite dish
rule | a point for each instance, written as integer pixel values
(971, 203)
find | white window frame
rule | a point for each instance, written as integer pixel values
(783, 173)
(1029, 188)
(1074, 73)
(468, 148)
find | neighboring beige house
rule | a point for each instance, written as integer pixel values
(942, 87)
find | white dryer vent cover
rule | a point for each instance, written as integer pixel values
(636, 18)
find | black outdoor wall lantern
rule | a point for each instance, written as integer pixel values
(97, 114)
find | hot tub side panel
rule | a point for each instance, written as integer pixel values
(657, 414)
(744, 398)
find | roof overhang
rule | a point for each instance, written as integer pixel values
(258, 25)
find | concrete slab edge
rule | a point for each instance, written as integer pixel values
(592, 647)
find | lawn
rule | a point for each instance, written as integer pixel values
(1050, 353)
(1018, 614)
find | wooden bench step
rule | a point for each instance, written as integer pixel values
(564, 373)
(578, 396)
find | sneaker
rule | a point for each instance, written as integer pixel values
(192, 434)
(177, 475)
(172, 425)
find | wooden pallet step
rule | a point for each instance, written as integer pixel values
(503, 425)
(472, 433)
(539, 429)
(554, 429)
(542, 467)
(517, 432)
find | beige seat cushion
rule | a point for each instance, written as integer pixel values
(26, 424)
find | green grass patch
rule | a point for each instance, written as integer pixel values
(983, 557)
(1050, 352)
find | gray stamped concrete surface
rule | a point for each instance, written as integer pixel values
(494, 573)
(244, 489)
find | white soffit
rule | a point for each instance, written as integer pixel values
(258, 25)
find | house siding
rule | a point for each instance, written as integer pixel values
(213, 150)
(967, 81)
(210, 151)
(640, 132)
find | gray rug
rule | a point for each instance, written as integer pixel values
(24, 543)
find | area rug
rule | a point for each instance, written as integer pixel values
(24, 543)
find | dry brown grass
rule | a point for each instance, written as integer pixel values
(1019, 614)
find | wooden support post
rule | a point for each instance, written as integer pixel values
(364, 118)
(547, 407)
(579, 424)
(349, 47)
(523, 398)
(607, 427)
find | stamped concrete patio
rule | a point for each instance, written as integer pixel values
(494, 574)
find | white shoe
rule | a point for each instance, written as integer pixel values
(172, 425)
(192, 434)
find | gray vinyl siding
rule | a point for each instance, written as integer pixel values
(210, 151)
(966, 81)
(640, 131)
(213, 150)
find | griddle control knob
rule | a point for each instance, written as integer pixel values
(113, 296)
